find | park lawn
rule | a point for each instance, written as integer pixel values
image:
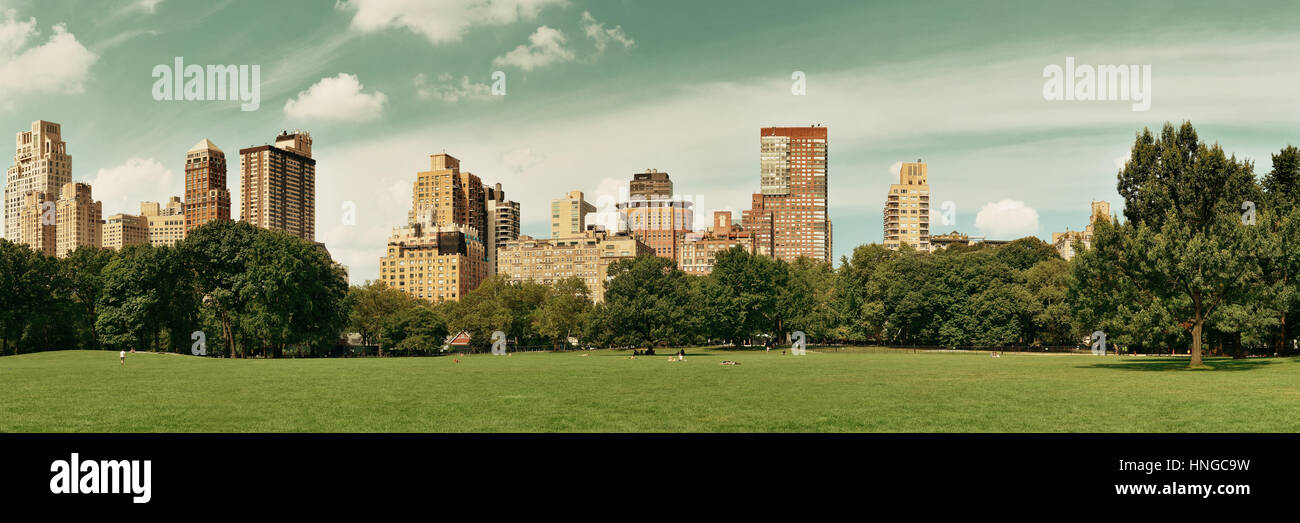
(861, 390)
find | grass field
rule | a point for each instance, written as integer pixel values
(861, 390)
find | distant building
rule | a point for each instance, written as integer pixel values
(278, 183)
(37, 217)
(651, 185)
(699, 250)
(41, 164)
(78, 219)
(586, 256)
(166, 224)
(788, 217)
(442, 252)
(121, 230)
(907, 209)
(1064, 242)
(503, 222)
(206, 195)
(569, 215)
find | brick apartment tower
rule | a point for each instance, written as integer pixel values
(788, 216)
(503, 222)
(278, 183)
(41, 164)
(907, 208)
(206, 195)
(653, 216)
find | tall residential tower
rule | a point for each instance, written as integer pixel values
(41, 164)
(206, 195)
(907, 209)
(278, 184)
(788, 216)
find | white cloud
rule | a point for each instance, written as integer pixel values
(336, 98)
(602, 37)
(123, 187)
(147, 6)
(450, 91)
(545, 47)
(523, 159)
(1007, 220)
(441, 21)
(60, 65)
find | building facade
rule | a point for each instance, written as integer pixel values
(41, 164)
(441, 254)
(121, 230)
(653, 216)
(78, 219)
(206, 195)
(1065, 242)
(788, 217)
(278, 184)
(38, 221)
(569, 215)
(585, 256)
(699, 250)
(651, 185)
(503, 222)
(166, 225)
(907, 209)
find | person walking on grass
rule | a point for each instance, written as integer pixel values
(122, 356)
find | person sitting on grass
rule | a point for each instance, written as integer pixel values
(729, 362)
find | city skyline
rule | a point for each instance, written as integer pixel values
(969, 101)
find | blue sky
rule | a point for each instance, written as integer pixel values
(596, 91)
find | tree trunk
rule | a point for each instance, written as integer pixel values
(1196, 340)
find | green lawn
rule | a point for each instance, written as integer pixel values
(863, 390)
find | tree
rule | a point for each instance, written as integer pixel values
(216, 255)
(1185, 253)
(416, 328)
(371, 305)
(809, 303)
(564, 312)
(294, 292)
(83, 271)
(748, 288)
(647, 302)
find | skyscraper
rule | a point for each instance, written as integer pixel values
(569, 215)
(653, 216)
(441, 254)
(79, 219)
(788, 216)
(41, 164)
(907, 209)
(278, 184)
(206, 195)
(503, 222)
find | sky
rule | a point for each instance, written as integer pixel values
(598, 90)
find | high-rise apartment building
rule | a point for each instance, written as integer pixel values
(788, 217)
(442, 252)
(166, 224)
(1064, 242)
(120, 230)
(651, 185)
(907, 209)
(41, 164)
(278, 184)
(654, 216)
(503, 222)
(569, 215)
(37, 218)
(206, 195)
(78, 219)
(699, 250)
(586, 256)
